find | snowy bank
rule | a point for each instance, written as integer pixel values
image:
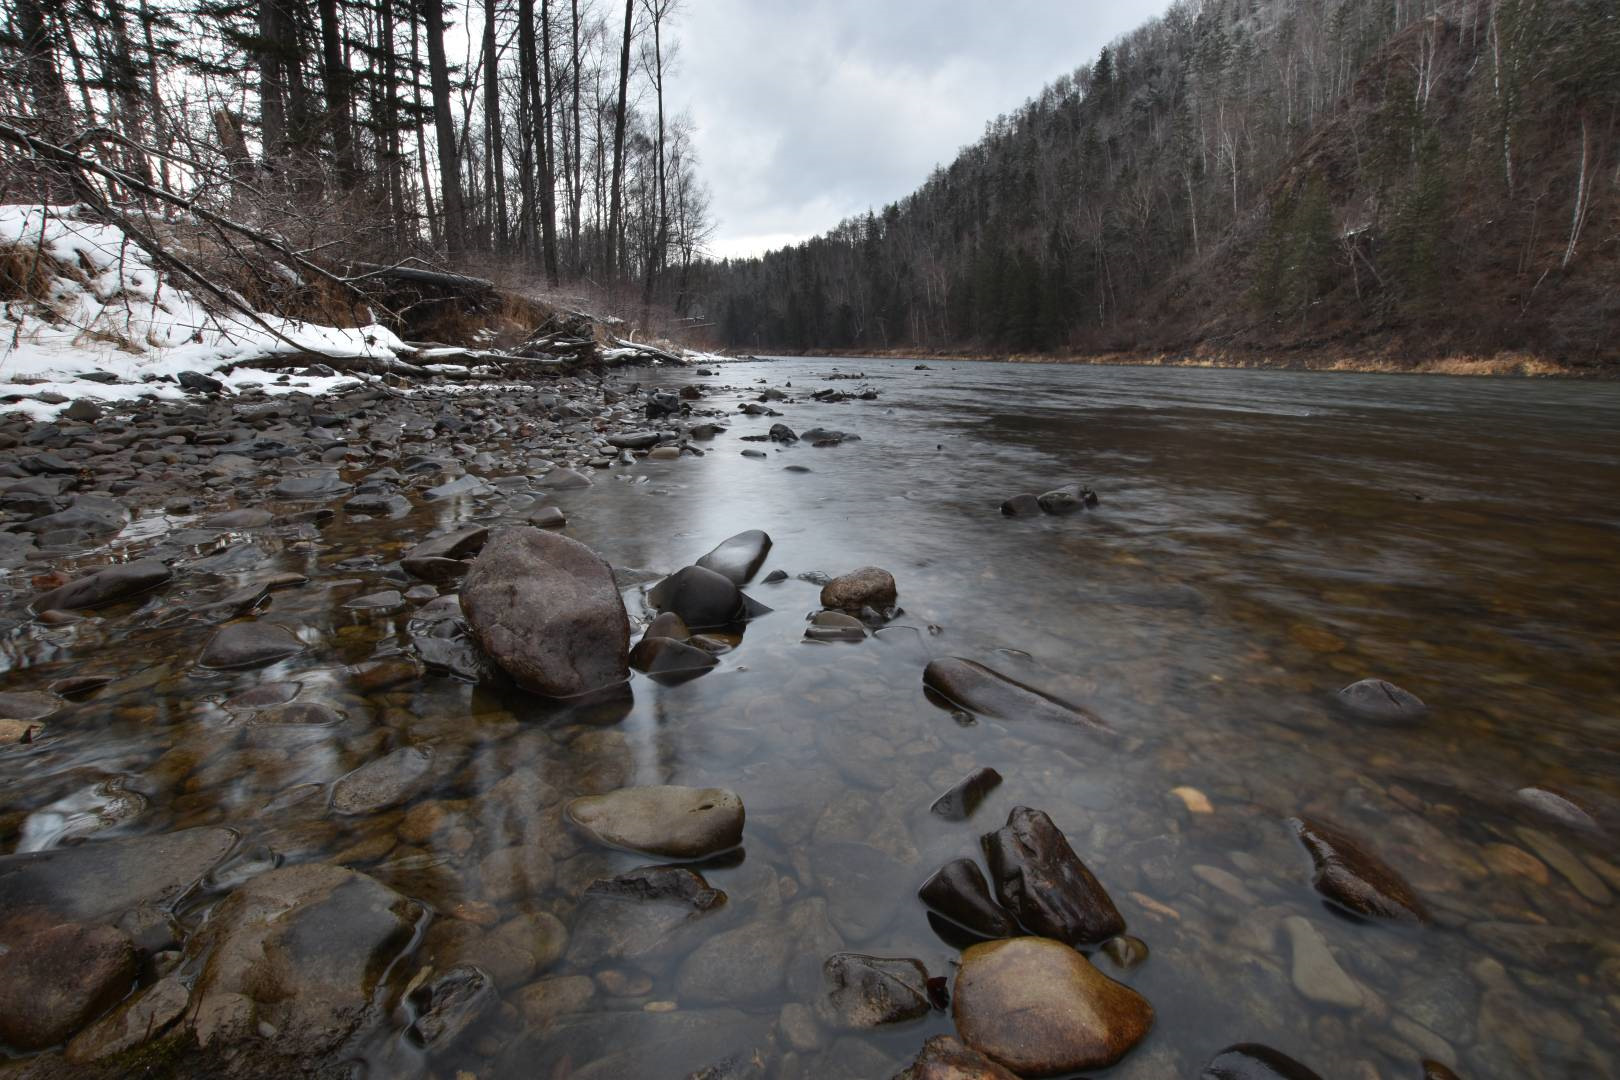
(99, 305)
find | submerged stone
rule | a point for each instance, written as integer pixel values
(978, 689)
(862, 992)
(1376, 699)
(677, 822)
(964, 797)
(945, 1058)
(867, 587)
(249, 644)
(1251, 1061)
(703, 598)
(1354, 878)
(107, 586)
(1043, 883)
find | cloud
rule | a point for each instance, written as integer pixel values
(809, 113)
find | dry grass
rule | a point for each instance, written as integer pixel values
(26, 273)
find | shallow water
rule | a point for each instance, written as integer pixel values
(1263, 539)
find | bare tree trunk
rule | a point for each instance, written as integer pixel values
(494, 151)
(527, 65)
(618, 140)
(435, 230)
(455, 221)
(579, 153)
(272, 87)
(389, 110)
(655, 259)
(548, 173)
(335, 76)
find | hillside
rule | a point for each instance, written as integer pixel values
(1253, 178)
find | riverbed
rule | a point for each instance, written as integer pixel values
(1261, 539)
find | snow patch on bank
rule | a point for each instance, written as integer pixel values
(112, 311)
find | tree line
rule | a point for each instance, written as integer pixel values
(350, 131)
(1259, 169)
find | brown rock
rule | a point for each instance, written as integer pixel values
(1039, 1008)
(56, 979)
(945, 1058)
(1356, 879)
(137, 1020)
(1043, 883)
(867, 587)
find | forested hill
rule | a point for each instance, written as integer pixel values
(1395, 176)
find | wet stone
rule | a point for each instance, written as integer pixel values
(746, 964)
(1039, 1008)
(966, 794)
(943, 1057)
(639, 915)
(388, 781)
(1024, 505)
(738, 558)
(670, 660)
(451, 1003)
(101, 879)
(867, 587)
(1381, 701)
(703, 599)
(959, 892)
(1251, 1061)
(137, 1020)
(1316, 974)
(1354, 878)
(1043, 883)
(247, 645)
(862, 992)
(978, 689)
(56, 979)
(28, 705)
(672, 821)
(108, 586)
(858, 881)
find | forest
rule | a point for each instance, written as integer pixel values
(1412, 176)
(529, 141)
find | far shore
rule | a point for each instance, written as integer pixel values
(1515, 365)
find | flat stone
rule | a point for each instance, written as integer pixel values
(1356, 879)
(101, 879)
(640, 915)
(1042, 882)
(247, 645)
(1251, 1061)
(980, 690)
(136, 1021)
(106, 586)
(321, 485)
(664, 453)
(862, 992)
(563, 479)
(1567, 863)
(1316, 974)
(388, 781)
(675, 822)
(1039, 1008)
(634, 440)
(250, 517)
(945, 1058)
(669, 660)
(1381, 701)
(28, 705)
(966, 794)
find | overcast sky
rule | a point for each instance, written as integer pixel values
(810, 111)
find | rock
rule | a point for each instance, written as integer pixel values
(635, 440)
(976, 688)
(945, 1058)
(754, 454)
(703, 599)
(1558, 806)
(1316, 974)
(388, 781)
(28, 705)
(137, 1020)
(1567, 863)
(384, 601)
(320, 485)
(668, 625)
(300, 949)
(866, 587)
(1025, 505)
(640, 915)
(664, 453)
(959, 892)
(101, 879)
(964, 797)
(1251, 1061)
(56, 979)
(196, 380)
(103, 587)
(543, 1002)
(513, 952)
(84, 410)
(1126, 952)
(783, 434)
(1067, 500)
(379, 504)
(1043, 883)
(1375, 699)
(1039, 1008)
(248, 644)
(1434, 1070)
(546, 609)
(619, 1044)
(245, 518)
(548, 517)
(89, 515)
(564, 479)
(670, 660)
(463, 486)
(675, 822)
(742, 965)
(458, 544)
(1354, 878)
(862, 992)
(738, 558)
(449, 1004)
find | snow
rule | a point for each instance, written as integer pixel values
(117, 313)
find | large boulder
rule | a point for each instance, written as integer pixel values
(675, 822)
(547, 610)
(299, 950)
(1356, 879)
(1039, 1008)
(1043, 883)
(106, 586)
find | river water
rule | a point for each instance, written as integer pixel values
(1262, 539)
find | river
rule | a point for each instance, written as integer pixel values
(1262, 539)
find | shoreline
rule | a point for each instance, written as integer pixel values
(1501, 365)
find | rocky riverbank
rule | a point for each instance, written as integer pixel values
(317, 751)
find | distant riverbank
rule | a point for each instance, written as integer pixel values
(1522, 365)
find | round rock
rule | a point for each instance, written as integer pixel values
(1039, 1008)
(675, 822)
(867, 587)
